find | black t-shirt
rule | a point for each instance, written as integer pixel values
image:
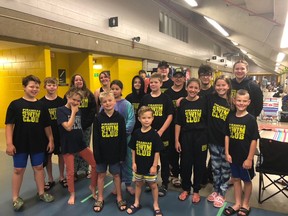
(241, 131)
(52, 106)
(145, 146)
(192, 115)
(29, 119)
(135, 100)
(162, 107)
(204, 93)
(166, 85)
(109, 138)
(71, 141)
(176, 95)
(88, 110)
(218, 110)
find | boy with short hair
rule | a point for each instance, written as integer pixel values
(240, 145)
(146, 145)
(27, 131)
(163, 109)
(52, 101)
(109, 147)
(175, 92)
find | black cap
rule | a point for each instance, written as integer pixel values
(163, 64)
(179, 71)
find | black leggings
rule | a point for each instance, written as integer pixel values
(193, 155)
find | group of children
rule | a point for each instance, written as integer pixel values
(197, 121)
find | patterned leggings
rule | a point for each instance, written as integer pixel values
(220, 168)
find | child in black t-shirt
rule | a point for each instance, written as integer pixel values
(52, 102)
(240, 145)
(27, 131)
(146, 145)
(72, 140)
(191, 123)
(109, 147)
(163, 109)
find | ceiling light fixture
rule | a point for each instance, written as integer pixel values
(280, 57)
(192, 3)
(217, 26)
(276, 68)
(235, 43)
(284, 40)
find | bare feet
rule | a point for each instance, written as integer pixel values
(71, 200)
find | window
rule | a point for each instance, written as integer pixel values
(172, 27)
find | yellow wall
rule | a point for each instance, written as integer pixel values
(61, 61)
(127, 70)
(14, 65)
(108, 63)
(122, 69)
(39, 61)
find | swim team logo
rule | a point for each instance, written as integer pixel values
(31, 115)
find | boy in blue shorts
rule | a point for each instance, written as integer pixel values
(28, 133)
(146, 145)
(109, 147)
(240, 145)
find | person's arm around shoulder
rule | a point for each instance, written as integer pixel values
(48, 132)
(10, 148)
(227, 155)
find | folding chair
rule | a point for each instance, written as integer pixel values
(272, 160)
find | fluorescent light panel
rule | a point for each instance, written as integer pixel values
(284, 40)
(192, 3)
(280, 57)
(217, 26)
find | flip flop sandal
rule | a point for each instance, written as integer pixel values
(212, 197)
(98, 204)
(63, 183)
(133, 209)
(229, 211)
(158, 212)
(45, 197)
(122, 205)
(196, 198)
(49, 185)
(183, 196)
(219, 201)
(18, 204)
(245, 211)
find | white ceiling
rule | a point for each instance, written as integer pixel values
(257, 25)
